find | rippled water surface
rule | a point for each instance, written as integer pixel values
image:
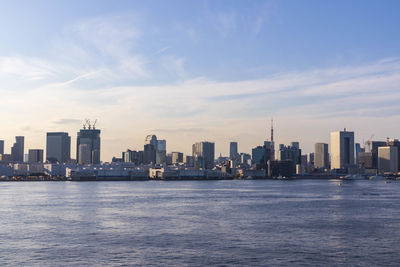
(192, 223)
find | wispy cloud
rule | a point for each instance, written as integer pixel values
(67, 121)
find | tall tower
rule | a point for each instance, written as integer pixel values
(88, 144)
(272, 141)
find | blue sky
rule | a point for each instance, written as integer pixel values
(195, 70)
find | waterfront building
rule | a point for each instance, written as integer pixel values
(17, 150)
(321, 156)
(388, 159)
(342, 150)
(58, 147)
(90, 140)
(233, 150)
(203, 155)
(35, 156)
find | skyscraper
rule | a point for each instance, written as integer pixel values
(233, 150)
(161, 153)
(395, 143)
(321, 156)
(203, 155)
(91, 138)
(58, 147)
(150, 149)
(1, 147)
(388, 159)
(35, 155)
(17, 150)
(342, 149)
(177, 157)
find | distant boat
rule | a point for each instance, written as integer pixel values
(353, 177)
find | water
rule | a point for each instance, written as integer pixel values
(192, 223)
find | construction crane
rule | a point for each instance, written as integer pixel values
(369, 142)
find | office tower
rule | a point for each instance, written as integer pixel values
(161, 153)
(1, 147)
(35, 156)
(310, 158)
(203, 155)
(258, 159)
(342, 150)
(17, 150)
(133, 156)
(189, 161)
(373, 148)
(357, 154)
(177, 157)
(395, 143)
(245, 158)
(321, 156)
(150, 149)
(290, 153)
(388, 159)
(90, 137)
(58, 147)
(84, 154)
(233, 150)
(366, 159)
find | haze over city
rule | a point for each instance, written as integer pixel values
(188, 71)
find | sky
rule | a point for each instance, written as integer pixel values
(191, 71)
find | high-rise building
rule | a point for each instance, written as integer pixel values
(366, 159)
(161, 153)
(258, 157)
(342, 150)
(290, 153)
(203, 155)
(357, 152)
(373, 148)
(84, 154)
(177, 157)
(395, 143)
(133, 156)
(58, 147)
(388, 159)
(321, 156)
(1, 147)
(233, 150)
(17, 150)
(91, 138)
(150, 149)
(35, 155)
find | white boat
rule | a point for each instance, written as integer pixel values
(353, 177)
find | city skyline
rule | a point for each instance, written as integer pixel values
(199, 70)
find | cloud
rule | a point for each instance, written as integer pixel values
(67, 121)
(180, 130)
